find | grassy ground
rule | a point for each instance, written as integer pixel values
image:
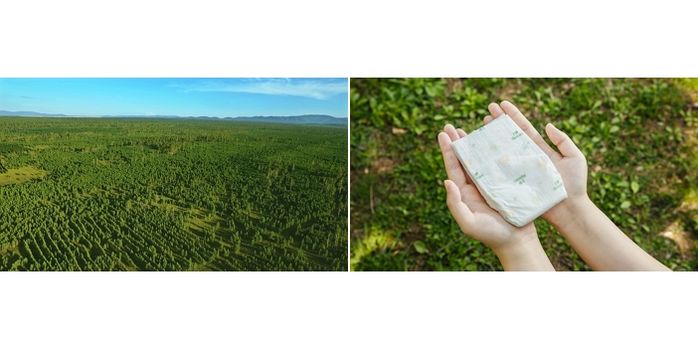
(639, 137)
(21, 175)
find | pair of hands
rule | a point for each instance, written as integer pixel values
(478, 220)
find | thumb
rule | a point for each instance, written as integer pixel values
(563, 142)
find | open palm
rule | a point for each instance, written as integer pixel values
(469, 208)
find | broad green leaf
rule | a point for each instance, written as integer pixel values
(634, 187)
(420, 247)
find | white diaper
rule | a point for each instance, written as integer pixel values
(512, 173)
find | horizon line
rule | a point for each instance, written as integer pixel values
(59, 115)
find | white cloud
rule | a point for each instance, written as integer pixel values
(310, 88)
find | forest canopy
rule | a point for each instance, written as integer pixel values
(155, 194)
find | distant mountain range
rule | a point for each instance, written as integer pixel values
(291, 119)
(29, 114)
(294, 119)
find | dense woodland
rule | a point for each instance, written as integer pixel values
(144, 194)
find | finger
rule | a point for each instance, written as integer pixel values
(452, 132)
(515, 114)
(495, 110)
(453, 168)
(563, 142)
(470, 195)
(459, 134)
(460, 211)
(488, 118)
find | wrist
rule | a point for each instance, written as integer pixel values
(569, 212)
(518, 244)
(523, 254)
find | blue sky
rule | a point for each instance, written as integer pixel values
(176, 96)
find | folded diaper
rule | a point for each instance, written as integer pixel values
(511, 172)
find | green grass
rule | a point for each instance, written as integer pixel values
(21, 175)
(145, 194)
(639, 137)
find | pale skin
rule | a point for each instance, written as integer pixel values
(600, 243)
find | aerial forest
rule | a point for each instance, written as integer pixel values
(171, 194)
